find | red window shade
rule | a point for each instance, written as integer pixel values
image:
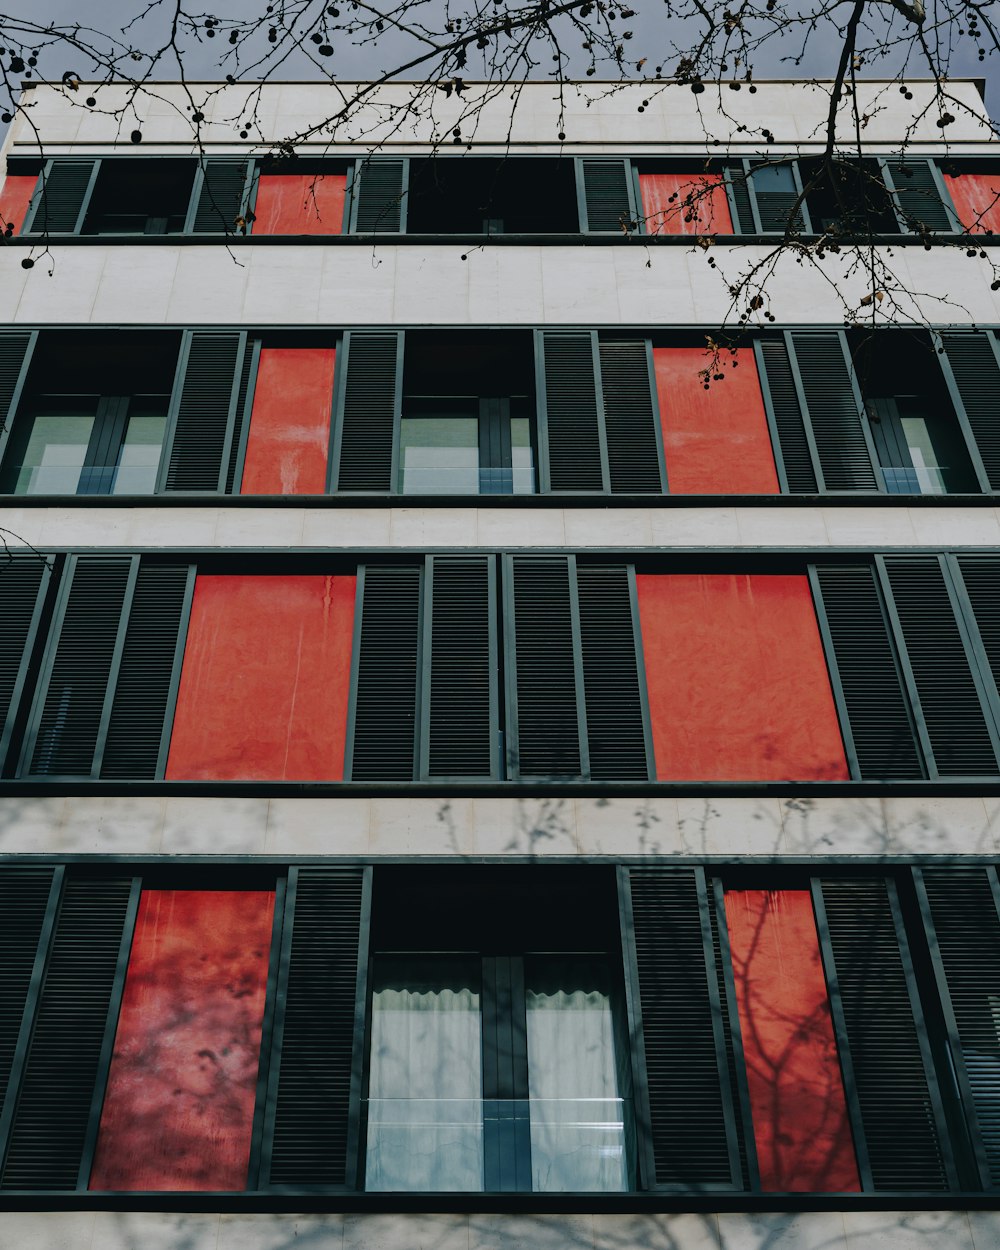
(300, 204)
(699, 206)
(716, 441)
(800, 1122)
(264, 685)
(178, 1111)
(15, 196)
(974, 195)
(290, 422)
(737, 680)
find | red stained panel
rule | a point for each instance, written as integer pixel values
(737, 680)
(264, 686)
(178, 1111)
(300, 204)
(800, 1122)
(716, 441)
(290, 422)
(15, 196)
(708, 213)
(975, 194)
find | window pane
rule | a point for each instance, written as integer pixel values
(54, 453)
(577, 1116)
(773, 178)
(522, 456)
(439, 455)
(425, 1086)
(140, 456)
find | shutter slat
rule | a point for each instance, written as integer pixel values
(612, 698)
(795, 454)
(62, 194)
(869, 673)
(629, 422)
(312, 1104)
(388, 673)
(53, 1108)
(891, 1080)
(833, 412)
(572, 421)
(24, 897)
(221, 197)
(378, 185)
(605, 191)
(977, 378)
(369, 414)
(917, 194)
(204, 410)
(953, 712)
(461, 683)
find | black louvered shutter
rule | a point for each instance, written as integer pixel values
(616, 735)
(545, 688)
(691, 1126)
(629, 419)
(59, 200)
(953, 712)
(965, 953)
(887, 1042)
(81, 659)
(24, 899)
(974, 367)
(739, 1093)
(981, 575)
(917, 195)
(203, 408)
(736, 179)
(774, 209)
(572, 416)
(878, 713)
(368, 419)
(388, 671)
(462, 646)
(845, 457)
(24, 581)
(326, 974)
(14, 348)
(378, 196)
(606, 199)
(796, 456)
(56, 1091)
(145, 678)
(220, 197)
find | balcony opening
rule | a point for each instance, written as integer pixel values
(473, 195)
(140, 197)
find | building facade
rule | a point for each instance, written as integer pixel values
(471, 779)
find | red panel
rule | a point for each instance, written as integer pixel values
(300, 204)
(290, 422)
(797, 1097)
(975, 194)
(263, 691)
(716, 441)
(178, 1111)
(699, 204)
(15, 196)
(737, 680)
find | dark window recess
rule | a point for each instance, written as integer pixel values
(480, 196)
(140, 196)
(378, 196)
(847, 198)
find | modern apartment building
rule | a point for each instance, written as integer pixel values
(470, 781)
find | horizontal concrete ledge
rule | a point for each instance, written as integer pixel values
(53, 242)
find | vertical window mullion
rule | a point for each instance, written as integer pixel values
(267, 1034)
(105, 445)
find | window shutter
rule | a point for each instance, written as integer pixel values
(384, 698)
(59, 205)
(572, 415)
(981, 578)
(150, 665)
(774, 209)
(378, 194)
(789, 424)
(965, 952)
(871, 981)
(957, 726)
(972, 361)
(203, 411)
(241, 423)
(461, 647)
(53, 1110)
(864, 660)
(679, 1043)
(371, 396)
(846, 457)
(629, 418)
(24, 900)
(24, 583)
(917, 195)
(607, 196)
(616, 724)
(544, 724)
(315, 1087)
(739, 199)
(15, 356)
(219, 194)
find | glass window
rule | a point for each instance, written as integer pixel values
(466, 446)
(920, 451)
(54, 453)
(439, 454)
(139, 460)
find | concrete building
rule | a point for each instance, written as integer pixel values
(466, 785)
